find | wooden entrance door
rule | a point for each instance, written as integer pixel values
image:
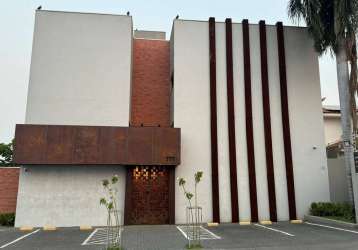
(148, 195)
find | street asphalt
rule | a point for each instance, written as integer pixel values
(166, 237)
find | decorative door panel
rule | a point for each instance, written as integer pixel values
(149, 195)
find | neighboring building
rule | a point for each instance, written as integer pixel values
(338, 186)
(335, 158)
(332, 124)
(239, 101)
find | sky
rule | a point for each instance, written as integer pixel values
(17, 24)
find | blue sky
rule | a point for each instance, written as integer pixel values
(17, 23)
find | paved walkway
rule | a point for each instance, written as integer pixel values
(167, 237)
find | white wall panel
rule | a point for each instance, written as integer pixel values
(306, 120)
(222, 122)
(80, 75)
(258, 124)
(276, 124)
(65, 196)
(192, 112)
(192, 115)
(240, 125)
(80, 69)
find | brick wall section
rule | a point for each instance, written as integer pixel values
(150, 97)
(9, 181)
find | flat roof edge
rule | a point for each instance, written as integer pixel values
(84, 13)
(250, 23)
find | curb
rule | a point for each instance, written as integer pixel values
(296, 221)
(330, 222)
(265, 222)
(26, 229)
(52, 228)
(49, 228)
(86, 228)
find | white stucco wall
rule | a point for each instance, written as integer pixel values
(222, 124)
(65, 196)
(192, 115)
(258, 122)
(80, 70)
(240, 125)
(192, 112)
(276, 125)
(306, 120)
(80, 75)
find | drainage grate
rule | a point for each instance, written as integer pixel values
(205, 234)
(99, 237)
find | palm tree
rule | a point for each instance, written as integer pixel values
(333, 26)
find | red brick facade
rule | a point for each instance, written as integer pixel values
(9, 182)
(150, 106)
(150, 97)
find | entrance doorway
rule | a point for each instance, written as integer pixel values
(149, 195)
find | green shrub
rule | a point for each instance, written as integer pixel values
(330, 209)
(7, 219)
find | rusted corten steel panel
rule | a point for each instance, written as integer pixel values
(164, 150)
(139, 143)
(31, 143)
(60, 144)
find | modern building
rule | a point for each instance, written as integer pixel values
(240, 102)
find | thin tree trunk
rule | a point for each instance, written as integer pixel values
(346, 123)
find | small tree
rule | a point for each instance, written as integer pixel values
(6, 154)
(195, 219)
(113, 223)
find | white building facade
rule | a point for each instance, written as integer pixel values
(240, 102)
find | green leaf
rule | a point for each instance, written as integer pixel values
(110, 205)
(103, 201)
(115, 179)
(198, 175)
(105, 183)
(189, 195)
(182, 181)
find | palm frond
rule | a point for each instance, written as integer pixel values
(296, 10)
